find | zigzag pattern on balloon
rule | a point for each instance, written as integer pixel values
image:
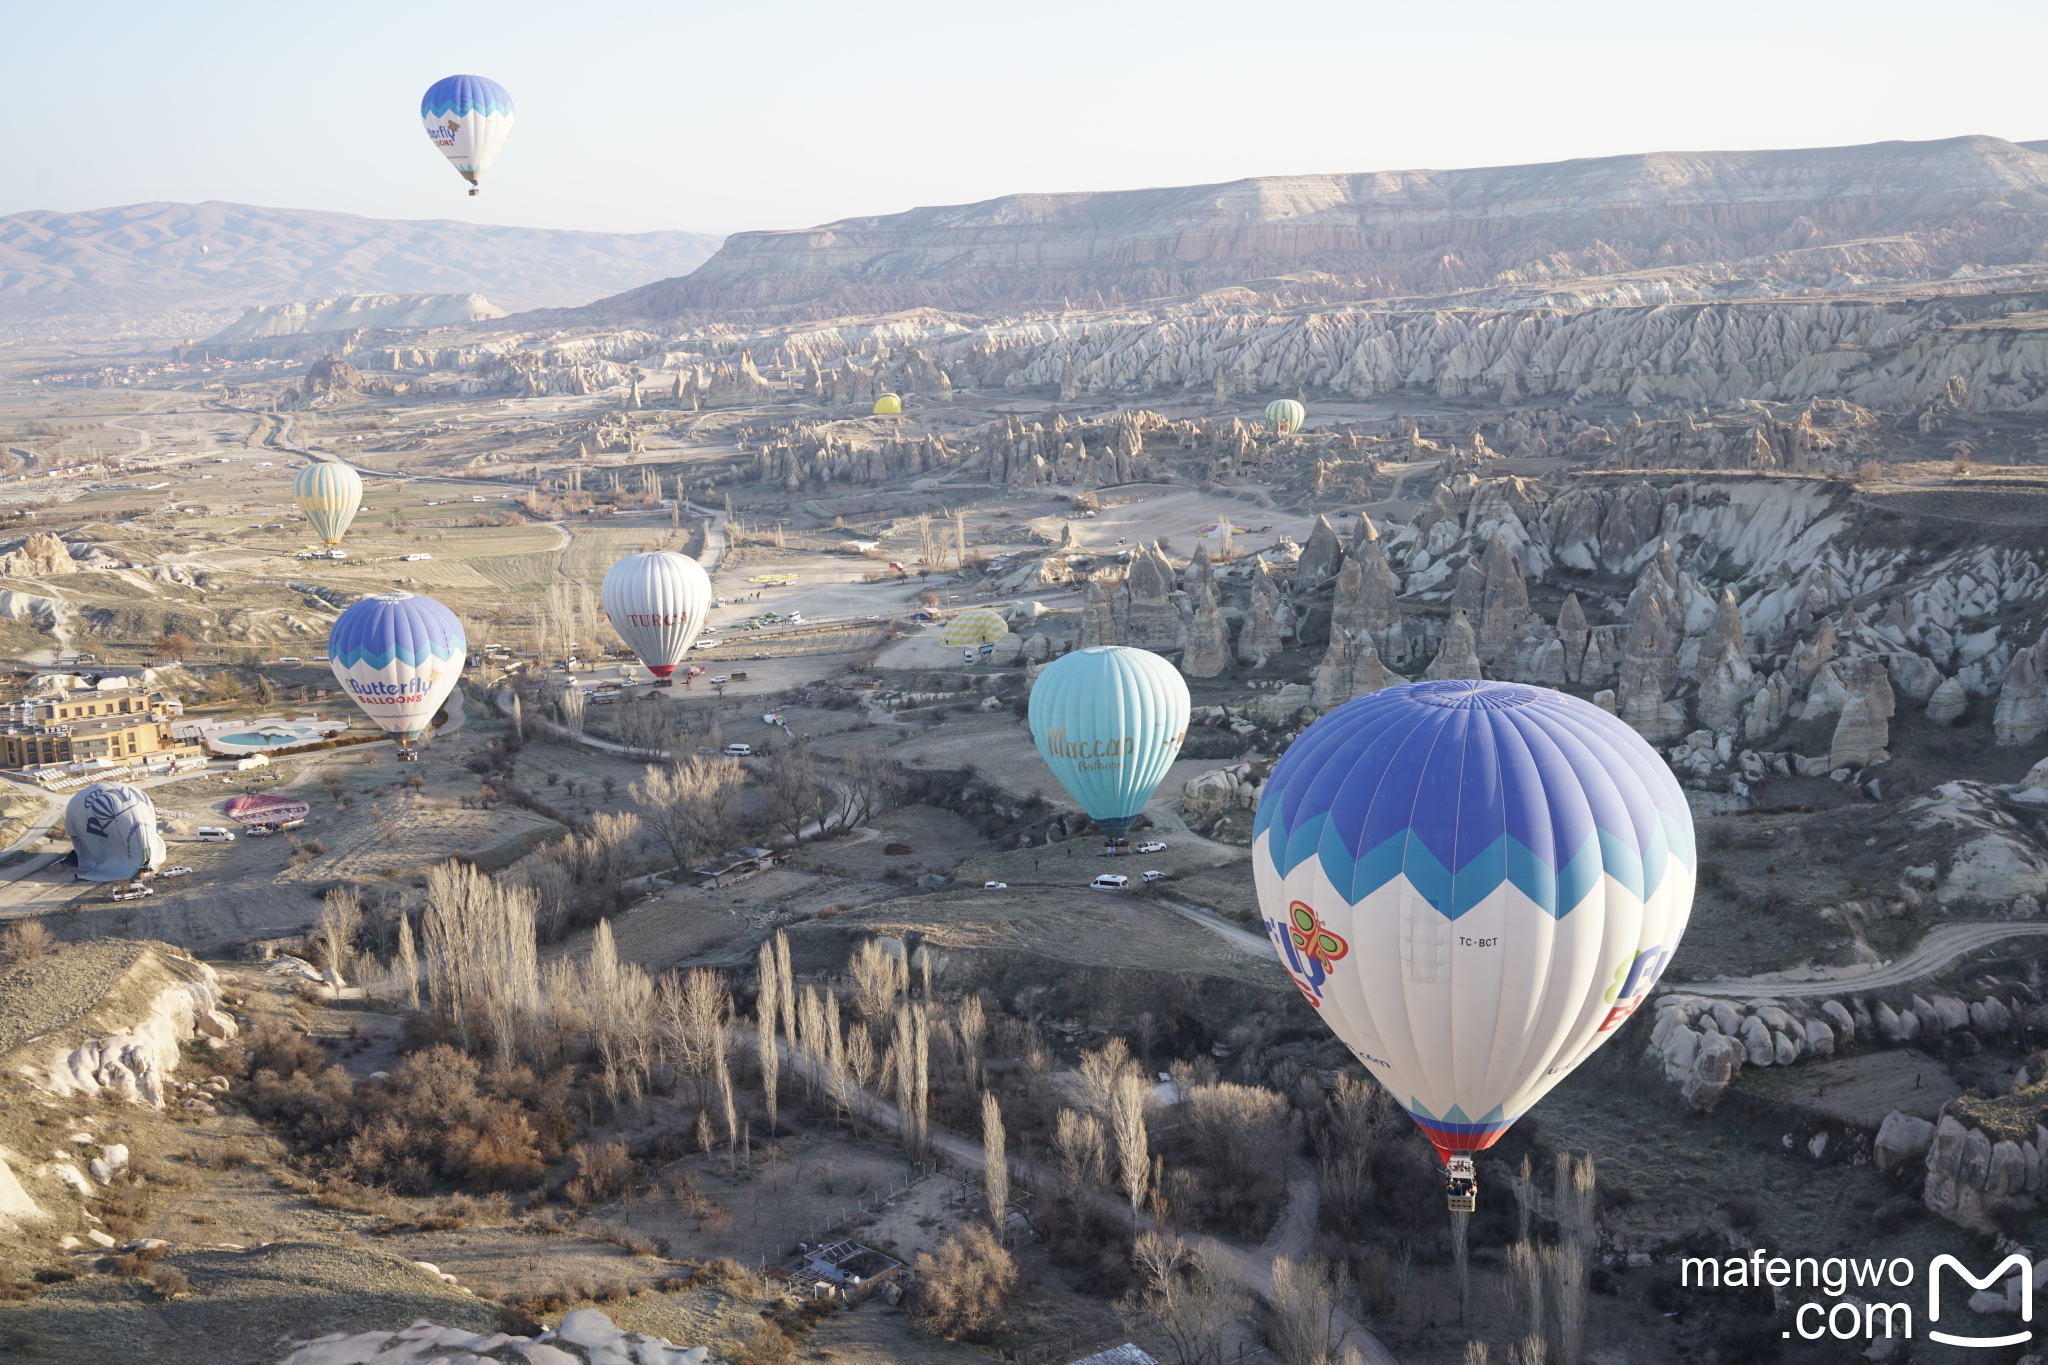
(1555, 886)
(1430, 791)
(465, 95)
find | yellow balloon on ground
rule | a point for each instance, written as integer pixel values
(977, 627)
(888, 403)
(329, 494)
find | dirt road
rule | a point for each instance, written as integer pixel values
(1932, 954)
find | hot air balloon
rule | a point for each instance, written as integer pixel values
(657, 601)
(1109, 721)
(1475, 883)
(398, 656)
(888, 403)
(1285, 415)
(469, 118)
(329, 494)
(112, 828)
(978, 626)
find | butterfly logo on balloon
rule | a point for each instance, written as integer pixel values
(1314, 951)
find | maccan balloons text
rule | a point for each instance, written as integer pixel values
(1109, 721)
(1475, 884)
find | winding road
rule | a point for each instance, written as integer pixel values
(1931, 954)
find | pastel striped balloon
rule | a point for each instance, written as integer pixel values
(398, 656)
(329, 494)
(1109, 721)
(1285, 415)
(1476, 883)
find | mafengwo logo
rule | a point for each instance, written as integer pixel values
(1854, 1285)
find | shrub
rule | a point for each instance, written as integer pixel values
(25, 940)
(170, 1281)
(961, 1289)
(728, 1276)
(765, 1345)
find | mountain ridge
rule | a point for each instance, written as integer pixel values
(1380, 234)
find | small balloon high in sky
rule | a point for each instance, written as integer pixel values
(468, 118)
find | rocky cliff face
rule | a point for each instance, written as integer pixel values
(391, 311)
(1795, 220)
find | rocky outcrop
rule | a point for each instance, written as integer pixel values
(1259, 638)
(1208, 648)
(1458, 655)
(1504, 604)
(1321, 556)
(105, 1021)
(1649, 670)
(586, 1337)
(1867, 705)
(1350, 668)
(2022, 714)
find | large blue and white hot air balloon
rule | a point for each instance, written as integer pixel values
(1475, 883)
(112, 829)
(469, 118)
(398, 656)
(1109, 722)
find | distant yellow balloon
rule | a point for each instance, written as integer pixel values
(888, 403)
(977, 627)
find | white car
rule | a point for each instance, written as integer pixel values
(179, 871)
(1155, 876)
(995, 886)
(705, 643)
(410, 558)
(133, 891)
(289, 659)
(739, 750)
(1110, 881)
(213, 834)
(1154, 847)
(721, 678)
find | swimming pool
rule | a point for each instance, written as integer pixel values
(272, 737)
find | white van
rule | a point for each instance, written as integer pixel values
(1110, 881)
(213, 834)
(739, 750)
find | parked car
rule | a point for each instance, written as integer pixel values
(133, 891)
(213, 834)
(705, 642)
(739, 750)
(260, 831)
(179, 871)
(1110, 881)
(1155, 876)
(1152, 847)
(995, 886)
(719, 678)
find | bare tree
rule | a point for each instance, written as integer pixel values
(406, 965)
(1305, 1323)
(1194, 1302)
(689, 806)
(694, 1008)
(1127, 1121)
(879, 976)
(1100, 1072)
(995, 1159)
(796, 794)
(1077, 1139)
(1239, 1126)
(482, 967)
(764, 1020)
(341, 919)
(26, 939)
(972, 1022)
(962, 1288)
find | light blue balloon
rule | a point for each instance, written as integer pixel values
(1109, 722)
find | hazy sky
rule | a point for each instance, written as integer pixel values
(635, 116)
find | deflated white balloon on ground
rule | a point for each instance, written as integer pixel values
(112, 828)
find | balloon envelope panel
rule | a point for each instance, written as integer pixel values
(329, 495)
(112, 827)
(977, 627)
(657, 601)
(1285, 414)
(398, 656)
(1109, 721)
(1475, 883)
(468, 118)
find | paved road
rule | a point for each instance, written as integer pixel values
(1932, 954)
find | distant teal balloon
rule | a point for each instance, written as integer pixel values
(1109, 722)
